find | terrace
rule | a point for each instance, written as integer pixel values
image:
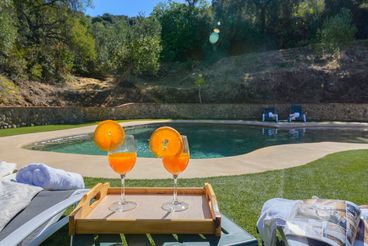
(157, 122)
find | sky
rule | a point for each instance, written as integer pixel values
(123, 7)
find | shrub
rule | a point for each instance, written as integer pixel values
(36, 72)
(338, 32)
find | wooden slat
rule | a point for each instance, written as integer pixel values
(236, 239)
(137, 240)
(189, 238)
(235, 234)
(83, 240)
(109, 240)
(230, 226)
(213, 239)
(87, 226)
(162, 239)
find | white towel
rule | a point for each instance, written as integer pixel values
(275, 212)
(6, 168)
(49, 178)
(14, 197)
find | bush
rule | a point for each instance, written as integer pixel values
(36, 72)
(127, 48)
(185, 30)
(338, 32)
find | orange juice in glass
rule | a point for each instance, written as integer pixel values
(176, 165)
(122, 161)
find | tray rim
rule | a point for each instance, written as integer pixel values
(78, 221)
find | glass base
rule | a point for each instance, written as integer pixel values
(122, 207)
(174, 206)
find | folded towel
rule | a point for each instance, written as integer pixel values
(49, 178)
(275, 212)
(296, 115)
(14, 197)
(6, 168)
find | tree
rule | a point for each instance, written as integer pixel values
(337, 32)
(82, 44)
(262, 7)
(191, 3)
(309, 8)
(309, 14)
(200, 82)
(128, 47)
(185, 29)
(8, 32)
(45, 37)
(333, 7)
(243, 25)
(143, 47)
(8, 58)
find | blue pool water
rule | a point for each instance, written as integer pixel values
(212, 140)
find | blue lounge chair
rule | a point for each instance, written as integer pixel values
(297, 114)
(270, 114)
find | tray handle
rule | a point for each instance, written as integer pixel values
(215, 211)
(87, 204)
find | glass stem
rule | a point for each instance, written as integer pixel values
(175, 197)
(122, 189)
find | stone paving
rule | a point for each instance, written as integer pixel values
(260, 160)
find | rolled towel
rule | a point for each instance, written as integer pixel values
(49, 178)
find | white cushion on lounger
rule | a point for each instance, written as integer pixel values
(6, 168)
(14, 197)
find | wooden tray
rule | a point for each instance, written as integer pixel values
(92, 215)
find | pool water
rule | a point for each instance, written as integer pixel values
(212, 141)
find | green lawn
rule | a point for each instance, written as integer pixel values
(46, 128)
(337, 176)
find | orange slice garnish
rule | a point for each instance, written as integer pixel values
(109, 135)
(166, 141)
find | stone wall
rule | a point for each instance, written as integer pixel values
(11, 117)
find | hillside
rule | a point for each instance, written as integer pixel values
(282, 76)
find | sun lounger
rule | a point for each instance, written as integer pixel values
(270, 114)
(41, 218)
(297, 114)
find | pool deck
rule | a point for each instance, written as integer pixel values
(260, 160)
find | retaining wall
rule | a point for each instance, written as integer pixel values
(11, 117)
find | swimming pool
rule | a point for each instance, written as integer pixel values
(211, 140)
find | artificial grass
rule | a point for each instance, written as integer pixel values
(46, 128)
(337, 176)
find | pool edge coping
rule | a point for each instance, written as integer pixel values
(260, 160)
